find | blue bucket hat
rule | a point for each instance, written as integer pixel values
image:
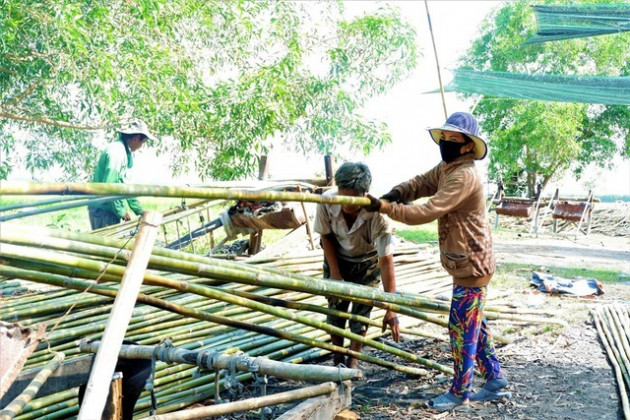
(465, 123)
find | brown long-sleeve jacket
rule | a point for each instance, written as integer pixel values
(457, 201)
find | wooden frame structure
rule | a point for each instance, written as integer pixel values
(521, 207)
(578, 211)
(575, 210)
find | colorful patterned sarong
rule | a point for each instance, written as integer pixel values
(470, 339)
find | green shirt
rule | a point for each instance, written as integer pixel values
(112, 168)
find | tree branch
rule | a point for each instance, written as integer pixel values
(48, 121)
(26, 57)
(7, 71)
(24, 94)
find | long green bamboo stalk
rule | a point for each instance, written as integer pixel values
(56, 200)
(175, 258)
(49, 401)
(127, 190)
(58, 207)
(14, 252)
(223, 270)
(620, 341)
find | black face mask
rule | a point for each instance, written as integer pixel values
(450, 150)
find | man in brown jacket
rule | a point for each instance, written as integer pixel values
(457, 201)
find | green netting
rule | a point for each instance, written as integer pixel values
(557, 22)
(543, 87)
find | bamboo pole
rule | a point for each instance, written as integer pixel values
(43, 405)
(130, 190)
(246, 274)
(15, 407)
(213, 360)
(620, 340)
(230, 322)
(249, 404)
(437, 62)
(105, 361)
(56, 200)
(613, 356)
(62, 206)
(188, 264)
(238, 271)
(255, 279)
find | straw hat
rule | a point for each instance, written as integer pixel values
(465, 123)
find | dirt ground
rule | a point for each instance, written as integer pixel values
(554, 372)
(561, 373)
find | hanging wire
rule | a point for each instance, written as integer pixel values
(437, 63)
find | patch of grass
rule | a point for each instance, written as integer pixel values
(418, 234)
(505, 270)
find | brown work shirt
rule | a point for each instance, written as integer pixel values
(369, 235)
(457, 201)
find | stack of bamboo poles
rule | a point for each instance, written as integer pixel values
(268, 307)
(613, 326)
(273, 307)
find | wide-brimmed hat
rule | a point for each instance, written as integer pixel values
(136, 126)
(465, 123)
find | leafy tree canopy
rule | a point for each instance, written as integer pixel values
(539, 141)
(216, 80)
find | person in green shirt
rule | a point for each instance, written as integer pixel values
(112, 167)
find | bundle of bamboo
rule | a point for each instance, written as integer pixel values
(200, 303)
(613, 326)
(267, 306)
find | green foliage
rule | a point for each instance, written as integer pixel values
(534, 142)
(217, 80)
